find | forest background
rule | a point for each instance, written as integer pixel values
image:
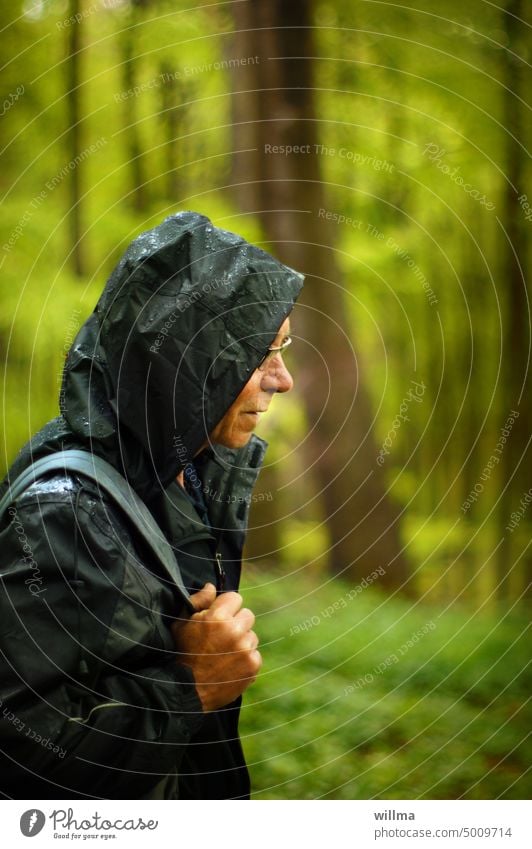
(384, 151)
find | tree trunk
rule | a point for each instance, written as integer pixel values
(135, 157)
(274, 106)
(75, 225)
(516, 368)
(170, 124)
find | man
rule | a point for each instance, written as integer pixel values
(107, 689)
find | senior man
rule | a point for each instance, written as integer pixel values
(109, 688)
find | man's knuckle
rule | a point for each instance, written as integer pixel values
(218, 615)
(199, 616)
(255, 661)
(250, 641)
(245, 626)
(249, 615)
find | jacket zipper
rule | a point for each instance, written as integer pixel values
(220, 572)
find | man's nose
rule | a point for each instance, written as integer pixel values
(277, 378)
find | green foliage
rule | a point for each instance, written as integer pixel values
(449, 718)
(339, 712)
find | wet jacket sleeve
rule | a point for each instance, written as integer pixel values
(91, 699)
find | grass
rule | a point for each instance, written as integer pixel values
(381, 698)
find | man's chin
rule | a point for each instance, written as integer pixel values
(235, 441)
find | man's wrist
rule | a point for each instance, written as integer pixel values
(187, 671)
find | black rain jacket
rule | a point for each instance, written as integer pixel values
(92, 702)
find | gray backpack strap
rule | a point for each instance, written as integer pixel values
(116, 486)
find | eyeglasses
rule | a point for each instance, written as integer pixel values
(272, 352)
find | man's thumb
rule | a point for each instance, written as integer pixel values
(203, 599)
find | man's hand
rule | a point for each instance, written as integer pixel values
(218, 644)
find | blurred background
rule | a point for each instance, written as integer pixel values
(384, 151)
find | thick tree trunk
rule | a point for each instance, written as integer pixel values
(274, 107)
(516, 383)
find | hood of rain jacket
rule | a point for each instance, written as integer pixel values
(185, 318)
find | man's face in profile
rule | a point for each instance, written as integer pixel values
(242, 417)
